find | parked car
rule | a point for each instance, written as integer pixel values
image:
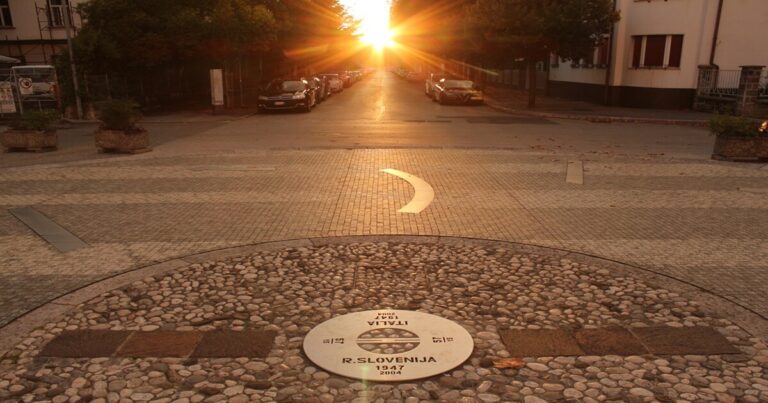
(318, 84)
(286, 94)
(345, 78)
(326, 86)
(455, 91)
(432, 80)
(335, 83)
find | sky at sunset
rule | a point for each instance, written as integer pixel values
(374, 19)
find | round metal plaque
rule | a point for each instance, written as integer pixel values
(388, 345)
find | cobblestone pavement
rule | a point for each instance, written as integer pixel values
(489, 290)
(700, 222)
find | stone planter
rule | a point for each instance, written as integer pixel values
(122, 142)
(761, 145)
(29, 140)
(735, 148)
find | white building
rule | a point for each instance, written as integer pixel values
(34, 30)
(657, 48)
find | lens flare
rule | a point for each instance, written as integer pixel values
(372, 17)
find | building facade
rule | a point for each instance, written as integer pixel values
(656, 50)
(34, 30)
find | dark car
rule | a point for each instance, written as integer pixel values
(319, 86)
(456, 91)
(285, 94)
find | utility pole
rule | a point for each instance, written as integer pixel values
(75, 84)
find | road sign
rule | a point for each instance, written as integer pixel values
(388, 345)
(25, 86)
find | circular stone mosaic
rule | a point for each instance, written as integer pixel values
(486, 288)
(366, 345)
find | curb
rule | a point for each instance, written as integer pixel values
(80, 121)
(17, 330)
(594, 118)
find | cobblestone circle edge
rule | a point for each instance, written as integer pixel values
(18, 329)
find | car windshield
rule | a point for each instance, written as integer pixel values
(460, 84)
(285, 86)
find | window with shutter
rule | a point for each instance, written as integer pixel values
(637, 51)
(657, 51)
(654, 50)
(675, 51)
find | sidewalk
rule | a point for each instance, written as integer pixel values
(516, 101)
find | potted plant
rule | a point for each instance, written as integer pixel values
(118, 131)
(736, 137)
(32, 131)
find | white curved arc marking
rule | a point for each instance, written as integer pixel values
(423, 192)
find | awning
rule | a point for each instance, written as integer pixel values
(9, 60)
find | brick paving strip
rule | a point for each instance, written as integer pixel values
(658, 340)
(89, 343)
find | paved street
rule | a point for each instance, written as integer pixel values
(384, 111)
(283, 176)
(650, 198)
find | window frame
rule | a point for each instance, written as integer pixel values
(669, 60)
(62, 8)
(5, 8)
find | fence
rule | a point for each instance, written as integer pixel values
(166, 88)
(744, 91)
(514, 78)
(718, 83)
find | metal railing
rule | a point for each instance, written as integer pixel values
(718, 83)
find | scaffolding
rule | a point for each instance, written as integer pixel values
(48, 18)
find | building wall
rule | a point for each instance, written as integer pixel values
(743, 24)
(30, 38)
(743, 36)
(694, 19)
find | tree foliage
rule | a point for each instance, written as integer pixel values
(532, 29)
(435, 26)
(125, 35)
(136, 35)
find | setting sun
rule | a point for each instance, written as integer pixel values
(373, 17)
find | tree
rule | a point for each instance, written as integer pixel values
(533, 29)
(136, 35)
(316, 34)
(165, 42)
(432, 26)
